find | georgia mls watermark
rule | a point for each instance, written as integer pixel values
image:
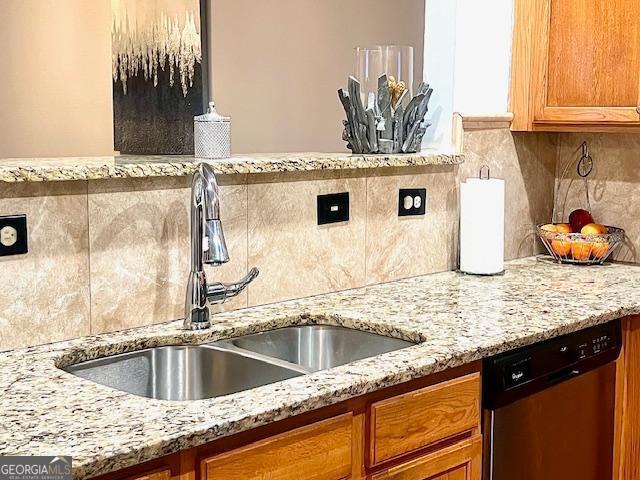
(35, 468)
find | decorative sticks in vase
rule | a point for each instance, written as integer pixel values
(386, 125)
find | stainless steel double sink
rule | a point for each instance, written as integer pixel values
(194, 372)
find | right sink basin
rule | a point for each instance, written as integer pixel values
(318, 347)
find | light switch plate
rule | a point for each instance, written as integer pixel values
(333, 208)
(13, 235)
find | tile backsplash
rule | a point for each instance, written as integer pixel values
(526, 161)
(45, 294)
(614, 185)
(297, 257)
(401, 247)
(112, 254)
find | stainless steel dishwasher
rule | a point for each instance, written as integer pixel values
(549, 408)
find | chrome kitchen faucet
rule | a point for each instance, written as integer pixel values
(207, 247)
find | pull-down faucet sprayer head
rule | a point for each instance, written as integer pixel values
(214, 246)
(206, 198)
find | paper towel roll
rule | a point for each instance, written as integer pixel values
(482, 226)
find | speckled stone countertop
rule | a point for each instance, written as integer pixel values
(458, 319)
(128, 166)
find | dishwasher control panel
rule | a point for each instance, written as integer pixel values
(551, 361)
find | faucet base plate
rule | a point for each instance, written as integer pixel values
(198, 326)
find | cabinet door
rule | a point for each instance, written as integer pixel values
(320, 451)
(593, 61)
(582, 58)
(405, 423)
(462, 461)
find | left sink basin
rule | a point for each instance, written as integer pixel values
(182, 372)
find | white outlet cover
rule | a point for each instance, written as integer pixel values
(8, 236)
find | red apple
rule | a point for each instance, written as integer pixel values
(579, 218)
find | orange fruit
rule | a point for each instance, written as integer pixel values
(600, 248)
(563, 228)
(561, 247)
(593, 229)
(581, 250)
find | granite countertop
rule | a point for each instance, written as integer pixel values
(458, 319)
(130, 166)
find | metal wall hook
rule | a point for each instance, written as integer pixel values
(585, 164)
(483, 169)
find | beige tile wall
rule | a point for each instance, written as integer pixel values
(297, 257)
(113, 254)
(139, 248)
(614, 184)
(527, 163)
(401, 247)
(45, 293)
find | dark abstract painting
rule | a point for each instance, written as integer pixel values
(159, 74)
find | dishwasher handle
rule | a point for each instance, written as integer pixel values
(563, 375)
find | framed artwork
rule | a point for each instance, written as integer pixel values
(159, 62)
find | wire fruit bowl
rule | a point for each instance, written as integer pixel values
(579, 248)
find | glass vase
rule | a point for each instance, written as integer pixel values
(394, 60)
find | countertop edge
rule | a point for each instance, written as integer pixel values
(13, 170)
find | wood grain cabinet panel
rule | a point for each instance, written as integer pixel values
(421, 418)
(161, 474)
(320, 451)
(627, 445)
(576, 65)
(164, 468)
(461, 461)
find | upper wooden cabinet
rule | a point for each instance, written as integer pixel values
(576, 65)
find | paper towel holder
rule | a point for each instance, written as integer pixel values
(484, 173)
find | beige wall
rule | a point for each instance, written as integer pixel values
(277, 65)
(113, 254)
(614, 184)
(55, 86)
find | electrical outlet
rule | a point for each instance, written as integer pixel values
(13, 235)
(412, 201)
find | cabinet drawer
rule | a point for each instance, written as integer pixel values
(417, 419)
(321, 451)
(460, 461)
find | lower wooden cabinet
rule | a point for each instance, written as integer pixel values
(461, 461)
(426, 429)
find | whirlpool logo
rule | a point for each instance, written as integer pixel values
(35, 468)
